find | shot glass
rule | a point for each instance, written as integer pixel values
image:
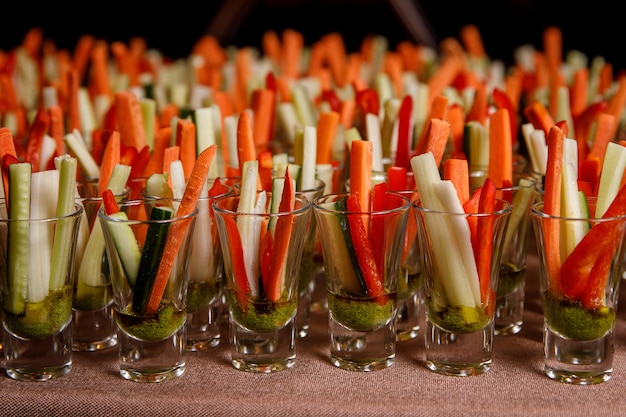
(512, 278)
(362, 252)
(262, 280)
(148, 251)
(308, 267)
(204, 292)
(459, 300)
(37, 307)
(580, 289)
(93, 324)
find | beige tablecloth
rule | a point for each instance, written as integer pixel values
(515, 386)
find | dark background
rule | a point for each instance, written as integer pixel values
(595, 28)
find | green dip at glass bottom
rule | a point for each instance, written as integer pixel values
(262, 316)
(154, 327)
(44, 319)
(459, 319)
(200, 295)
(572, 321)
(362, 315)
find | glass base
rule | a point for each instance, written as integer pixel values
(408, 318)
(263, 352)
(458, 354)
(203, 328)
(509, 312)
(93, 330)
(578, 362)
(153, 376)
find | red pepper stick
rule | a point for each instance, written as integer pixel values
(405, 136)
(484, 234)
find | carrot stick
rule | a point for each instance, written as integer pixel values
(73, 114)
(38, 129)
(186, 140)
(500, 148)
(553, 46)
(552, 203)
(168, 112)
(346, 115)
(177, 230)
(579, 91)
(293, 43)
(270, 44)
(361, 154)
(617, 103)
(605, 78)
(110, 158)
(99, 83)
(7, 147)
(603, 135)
(436, 138)
(263, 105)
(327, 125)
(405, 134)
(457, 171)
(246, 150)
(170, 154)
(456, 118)
(539, 116)
(478, 110)
(162, 140)
(443, 77)
(130, 119)
(438, 110)
(57, 128)
(472, 41)
(80, 58)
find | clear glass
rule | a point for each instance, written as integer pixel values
(93, 321)
(459, 302)
(362, 323)
(262, 300)
(151, 338)
(580, 291)
(512, 278)
(37, 335)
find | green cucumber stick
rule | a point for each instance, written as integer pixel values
(63, 234)
(18, 237)
(89, 271)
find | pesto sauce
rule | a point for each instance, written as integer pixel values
(454, 319)
(571, 320)
(89, 298)
(201, 294)
(262, 316)
(361, 315)
(44, 319)
(155, 327)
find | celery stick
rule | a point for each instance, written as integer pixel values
(309, 157)
(148, 111)
(325, 173)
(389, 127)
(571, 232)
(372, 125)
(18, 238)
(126, 244)
(288, 120)
(177, 176)
(448, 257)
(521, 204)
(78, 147)
(303, 105)
(201, 259)
(44, 190)
(230, 129)
(205, 135)
(63, 233)
(87, 115)
(249, 227)
(610, 177)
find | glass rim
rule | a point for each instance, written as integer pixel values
(538, 213)
(135, 202)
(78, 211)
(335, 197)
(306, 204)
(507, 207)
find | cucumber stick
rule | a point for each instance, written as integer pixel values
(610, 179)
(571, 232)
(18, 236)
(151, 257)
(341, 206)
(126, 245)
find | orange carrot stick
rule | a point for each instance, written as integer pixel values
(438, 110)
(456, 118)
(361, 154)
(263, 105)
(552, 203)
(579, 91)
(7, 147)
(73, 115)
(553, 47)
(99, 84)
(130, 119)
(443, 77)
(457, 171)
(177, 230)
(110, 158)
(604, 130)
(293, 43)
(246, 150)
(36, 133)
(539, 116)
(327, 125)
(170, 154)
(162, 140)
(472, 41)
(186, 140)
(436, 138)
(80, 58)
(478, 110)
(57, 128)
(500, 148)
(617, 103)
